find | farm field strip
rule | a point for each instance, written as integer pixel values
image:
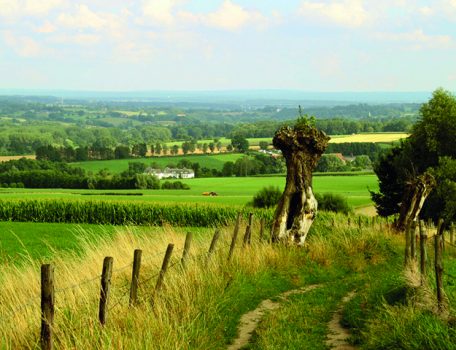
(231, 191)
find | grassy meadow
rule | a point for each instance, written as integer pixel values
(115, 166)
(231, 191)
(200, 307)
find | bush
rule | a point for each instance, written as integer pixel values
(176, 185)
(267, 197)
(333, 202)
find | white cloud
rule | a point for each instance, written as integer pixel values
(46, 28)
(160, 11)
(23, 46)
(84, 18)
(41, 7)
(231, 16)
(20, 8)
(418, 39)
(347, 13)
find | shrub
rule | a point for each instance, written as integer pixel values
(333, 202)
(267, 197)
(176, 185)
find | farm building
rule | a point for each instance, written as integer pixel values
(171, 173)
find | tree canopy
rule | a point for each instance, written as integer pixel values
(430, 148)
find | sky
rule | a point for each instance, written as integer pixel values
(308, 45)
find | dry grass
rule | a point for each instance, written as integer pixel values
(189, 297)
(187, 313)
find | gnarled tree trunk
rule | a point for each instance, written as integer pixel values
(416, 193)
(301, 147)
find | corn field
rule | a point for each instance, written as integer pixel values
(122, 213)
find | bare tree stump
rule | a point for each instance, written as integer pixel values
(302, 147)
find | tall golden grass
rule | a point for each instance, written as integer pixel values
(186, 313)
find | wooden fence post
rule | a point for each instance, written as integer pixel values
(135, 276)
(248, 230)
(413, 241)
(214, 241)
(164, 268)
(348, 222)
(105, 289)
(423, 253)
(188, 242)
(359, 222)
(407, 244)
(47, 306)
(439, 269)
(235, 236)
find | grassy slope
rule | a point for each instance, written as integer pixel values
(231, 191)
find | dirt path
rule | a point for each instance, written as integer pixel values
(249, 321)
(338, 335)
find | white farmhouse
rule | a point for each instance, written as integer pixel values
(171, 173)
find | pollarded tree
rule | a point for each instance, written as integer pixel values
(302, 146)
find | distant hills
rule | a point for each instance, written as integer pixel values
(246, 98)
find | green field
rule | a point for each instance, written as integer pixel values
(116, 166)
(24, 241)
(231, 191)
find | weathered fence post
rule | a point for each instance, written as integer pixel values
(47, 306)
(407, 244)
(248, 230)
(439, 268)
(423, 253)
(188, 242)
(261, 229)
(359, 222)
(164, 268)
(235, 236)
(135, 276)
(214, 241)
(105, 289)
(348, 222)
(413, 241)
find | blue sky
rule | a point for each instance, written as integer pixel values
(310, 45)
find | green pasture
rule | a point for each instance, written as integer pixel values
(231, 191)
(23, 241)
(214, 161)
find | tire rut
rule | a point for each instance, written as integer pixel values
(338, 335)
(250, 320)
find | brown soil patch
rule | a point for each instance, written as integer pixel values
(249, 321)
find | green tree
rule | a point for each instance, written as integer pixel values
(240, 143)
(428, 149)
(264, 145)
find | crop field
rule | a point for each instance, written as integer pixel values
(115, 166)
(231, 191)
(369, 137)
(380, 137)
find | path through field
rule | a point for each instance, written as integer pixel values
(338, 335)
(250, 320)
